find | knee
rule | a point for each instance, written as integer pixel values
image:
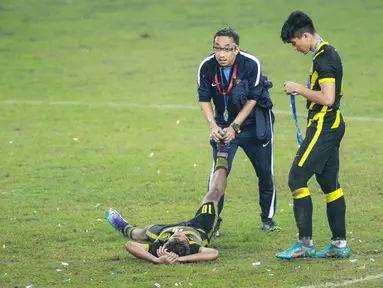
(215, 193)
(212, 196)
(218, 191)
(264, 173)
(326, 188)
(291, 181)
(327, 185)
(296, 180)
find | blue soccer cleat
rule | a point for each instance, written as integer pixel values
(297, 251)
(332, 251)
(115, 219)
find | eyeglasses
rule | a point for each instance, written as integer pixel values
(217, 49)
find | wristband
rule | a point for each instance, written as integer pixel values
(236, 127)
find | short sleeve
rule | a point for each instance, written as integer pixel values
(325, 70)
(152, 248)
(194, 247)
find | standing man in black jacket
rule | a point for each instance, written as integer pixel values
(233, 80)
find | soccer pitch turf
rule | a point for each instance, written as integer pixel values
(99, 109)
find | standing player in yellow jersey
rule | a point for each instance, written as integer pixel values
(319, 151)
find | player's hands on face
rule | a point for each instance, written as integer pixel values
(291, 87)
(215, 133)
(162, 251)
(170, 258)
(230, 134)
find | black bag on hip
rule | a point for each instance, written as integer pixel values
(264, 121)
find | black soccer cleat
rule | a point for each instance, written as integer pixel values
(269, 225)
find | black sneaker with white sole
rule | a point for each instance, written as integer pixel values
(269, 225)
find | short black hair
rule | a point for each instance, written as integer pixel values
(227, 31)
(296, 24)
(178, 247)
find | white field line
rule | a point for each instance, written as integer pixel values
(158, 106)
(346, 282)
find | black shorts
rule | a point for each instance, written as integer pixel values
(318, 145)
(205, 219)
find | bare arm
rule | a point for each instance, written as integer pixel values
(324, 97)
(138, 250)
(205, 254)
(207, 110)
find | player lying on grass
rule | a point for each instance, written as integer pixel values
(180, 242)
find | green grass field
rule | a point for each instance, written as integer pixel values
(89, 89)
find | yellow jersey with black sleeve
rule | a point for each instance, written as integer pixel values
(326, 67)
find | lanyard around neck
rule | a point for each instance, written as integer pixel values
(320, 41)
(231, 83)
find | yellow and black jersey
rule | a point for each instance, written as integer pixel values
(326, 67)
(199, 230)
(160, 234)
